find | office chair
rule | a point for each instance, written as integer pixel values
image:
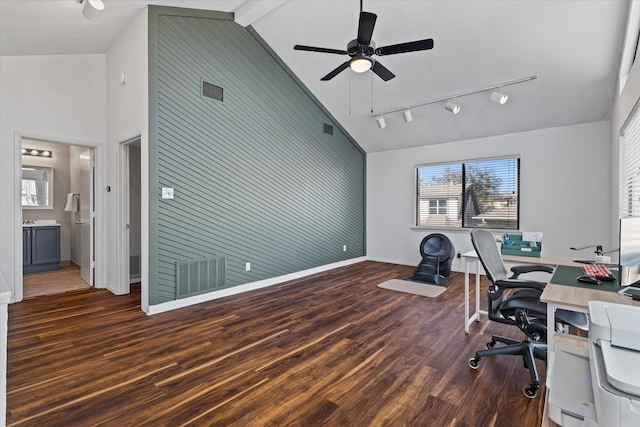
(437, 253)
(516, 302)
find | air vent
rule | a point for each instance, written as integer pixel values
(328, 129)
(211, 91)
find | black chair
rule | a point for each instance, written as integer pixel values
(516, 302)
(437, 253)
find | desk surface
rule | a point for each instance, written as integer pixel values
(544, 260)
(572, 295)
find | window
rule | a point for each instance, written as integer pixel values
(484, 193)
(630, 166)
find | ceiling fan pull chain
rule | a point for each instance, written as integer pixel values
(371, 74)
(349, 93)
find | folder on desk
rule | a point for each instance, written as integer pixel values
(518, 245)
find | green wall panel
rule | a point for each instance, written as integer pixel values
(255, 177)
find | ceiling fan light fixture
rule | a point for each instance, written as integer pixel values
(499, 97)
(452, 107)
(408, 117)
(381, 123)
(360, 64)
(92, 9)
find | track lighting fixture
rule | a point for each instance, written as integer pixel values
(92, 9)
(453, 107)
(499, 97)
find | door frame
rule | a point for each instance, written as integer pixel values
(95, 206)
(123, 239)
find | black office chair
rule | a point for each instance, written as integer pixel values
(516, 302)
(437, 253)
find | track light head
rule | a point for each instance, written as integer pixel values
(452, 107)
(92, 9)
(499, 97)
(406, 114)
(381, 123)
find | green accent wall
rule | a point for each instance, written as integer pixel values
(256, 179)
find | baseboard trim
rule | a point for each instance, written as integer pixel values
(186, 302)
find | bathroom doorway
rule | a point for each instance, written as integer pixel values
(70, 211)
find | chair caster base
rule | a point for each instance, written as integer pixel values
(531, 391)
(474, 362)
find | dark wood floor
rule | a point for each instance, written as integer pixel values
(328, 350)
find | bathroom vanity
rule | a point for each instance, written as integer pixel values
(40, 247)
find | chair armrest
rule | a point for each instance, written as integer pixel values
(521, 269)
(520, 283)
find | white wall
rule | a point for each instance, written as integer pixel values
(127, 117)
(59, 98)
(565, 186)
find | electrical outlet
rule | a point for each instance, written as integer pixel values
(459, 255)
(167, 193)
(247, 266)
(344, 248)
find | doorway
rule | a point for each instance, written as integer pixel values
(129, 218)
(71, 211)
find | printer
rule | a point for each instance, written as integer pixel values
(599, 386)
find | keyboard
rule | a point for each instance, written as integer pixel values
(599, 271)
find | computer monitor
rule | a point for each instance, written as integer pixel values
(629, 264)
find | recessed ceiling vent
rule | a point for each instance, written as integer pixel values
(211, 91)
(328, 129)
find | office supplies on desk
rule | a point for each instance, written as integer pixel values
(589, 279)
(599, 271)
(607, 368)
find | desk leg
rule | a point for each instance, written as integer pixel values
(551, 327)
(478, 311)
(466, 296)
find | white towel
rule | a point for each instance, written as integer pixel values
(72, 203)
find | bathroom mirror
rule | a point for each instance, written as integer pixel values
(37, 187)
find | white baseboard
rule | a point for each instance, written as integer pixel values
(186, 302)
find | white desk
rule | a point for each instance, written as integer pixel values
(472, 257)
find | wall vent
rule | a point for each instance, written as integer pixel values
(211, 91)
(195, 277)
(134, 266)
(328, 129)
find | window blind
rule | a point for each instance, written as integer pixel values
(629, 180)
(483, 193)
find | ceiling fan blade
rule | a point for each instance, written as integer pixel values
(365, 27)
(337, 71)
(382, 71)
(425, 44)
(319, 49)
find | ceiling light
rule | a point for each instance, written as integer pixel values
(499, 97)
(453, 107)
(92, 9)
(381, 122)
(37, 153)
(360, 64)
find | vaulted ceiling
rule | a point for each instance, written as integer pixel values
(572, 46)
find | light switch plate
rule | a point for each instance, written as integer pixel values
(167, 193)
